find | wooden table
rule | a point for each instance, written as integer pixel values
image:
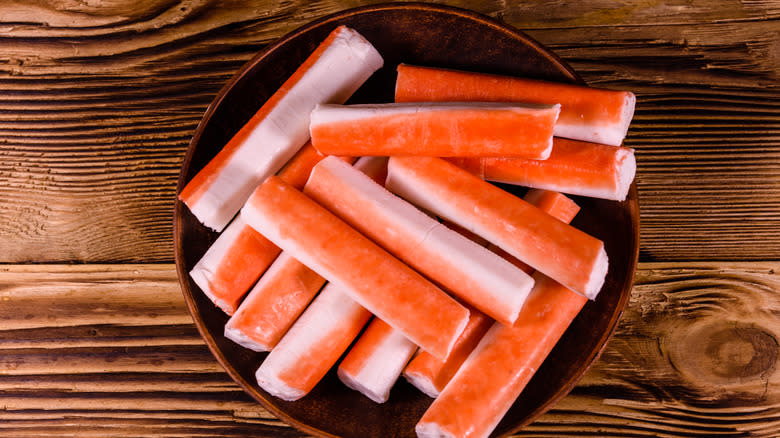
(98, 101)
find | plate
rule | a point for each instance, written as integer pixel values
(417, 34)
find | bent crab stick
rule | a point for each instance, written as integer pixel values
(588, 114)
(547, 244)
(440, 129)
(574, 167)
(240, 254)
(495, 373)
(334, 71)
(429, 374)
(375, 279)
(462, 267)
(312, 345)
(269, 309)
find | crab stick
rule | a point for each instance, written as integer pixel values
(334, 71)
(375, 279)
(561, 251)
(374, 363)
(431, 375)
(312, 345)
(588, 114)
(441, 129)
(574, 167)
(240, 254)
(271, 307)
(460, 266)
(495, 373)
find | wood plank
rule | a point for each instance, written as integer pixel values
(695, 354)
(98, 101)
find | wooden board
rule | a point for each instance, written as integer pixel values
(109, 350)
(98, 101)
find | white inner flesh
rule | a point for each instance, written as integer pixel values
(501, 287)
(341, 69)
(423, 383)
(319, 324)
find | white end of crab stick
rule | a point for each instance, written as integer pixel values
(460, 266)
(312, 345)
(559, 250)
(371, 276)
(336, 69)
(448, 129)
(589, 114)
(502, 364)
(574, 167)
(271, 307)
(431, 375)
(374, 363)
(232, 264)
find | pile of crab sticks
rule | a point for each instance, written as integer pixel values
(376, 226)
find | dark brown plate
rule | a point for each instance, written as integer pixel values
(424, 35)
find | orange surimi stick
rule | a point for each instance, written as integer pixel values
(271, 307)
(240, 254)
(547, 244)
(331, 74)
(431, 375)
(459, 265)
(441, 129)
(371, 276)
(588, 114)
(312, 345)
(374, 363)
(574, 167)
(494, 375)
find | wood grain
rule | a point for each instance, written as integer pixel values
(98, 101)
(696, 354)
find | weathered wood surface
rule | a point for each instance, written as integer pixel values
(110, 351)
(98, 101)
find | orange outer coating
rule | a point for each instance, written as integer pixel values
(442, 133)
(576, 167)
(496, 372)
(547, 244)
(203, 179)
(378, 281)
(579, 104)
(251, 253)
(438, 373)
(275, 303)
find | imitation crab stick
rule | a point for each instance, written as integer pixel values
(269, 309)
(240, 254)
(574, 167)
(494, 375)
(374, 363)
(371, 276)
(588, 114)
(460, 266)
(440, 129)
(331, 74)
(561, 251)
(431, 375)
(312, 345)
